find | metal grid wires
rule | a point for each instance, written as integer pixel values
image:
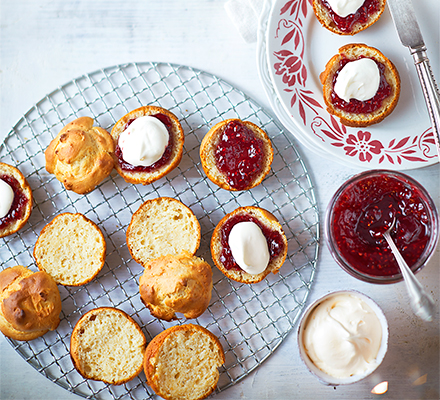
(250, 320)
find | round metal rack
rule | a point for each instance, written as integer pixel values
(250, 320)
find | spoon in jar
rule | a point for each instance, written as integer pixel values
(421, 302)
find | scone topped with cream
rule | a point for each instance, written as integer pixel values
(148, 144)
(360, 85)
(348, 17)
(248, 244)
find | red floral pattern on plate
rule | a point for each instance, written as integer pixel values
(292, 70)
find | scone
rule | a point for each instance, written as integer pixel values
(107, 345)
(162, 226)
(71, 249)
(248, 244)
(348, 17)
(30, 303)
(176, 284)
(361, 86)
(15, 200)
(182, 363)
(81, 155)
(236, 155)
(148, 144)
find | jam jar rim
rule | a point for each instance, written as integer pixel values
(427, 252)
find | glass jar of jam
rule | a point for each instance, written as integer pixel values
(363, 208)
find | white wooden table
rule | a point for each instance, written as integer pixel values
(45, 44)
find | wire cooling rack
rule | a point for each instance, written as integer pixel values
(250, 320)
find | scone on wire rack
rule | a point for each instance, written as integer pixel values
(248, 244)
(107, 345)
(81, 155)
(236, 155)
(348, 17)
(148, 144)
(176, 284)
(30, 303)
(182, 362)
(162, 226)
(15, 200)
(71, 248)
(360, 85)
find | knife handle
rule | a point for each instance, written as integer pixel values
(430, 90)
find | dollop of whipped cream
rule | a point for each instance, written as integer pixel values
(343, 336)
(345, 7)
(358, 80)
(144, 141)
(249, 247)
(6, 198)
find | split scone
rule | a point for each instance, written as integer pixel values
(148, 144)
(181, 363)
(107, 345)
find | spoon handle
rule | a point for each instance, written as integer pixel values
(421, 302)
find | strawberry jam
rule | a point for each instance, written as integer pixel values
(366, 208)
(274, 240)
(17, 210)
(361, 16)
(362, 107)
(125, 166)
(239, 155)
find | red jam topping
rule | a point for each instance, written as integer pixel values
(274, 240)
(361, 16)
(362, 107)
(239, 155)
(17, 210)
(366, 209)
(125, 166)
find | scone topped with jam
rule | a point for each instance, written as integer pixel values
(236, 155)
(348, 17)
(360, 85)
(248, 244)
(15, 200)
(148, 144)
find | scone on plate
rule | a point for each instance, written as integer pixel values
(148, 144)
(162, 226)
(107, 345)
(236, 155)
(30, 303)
(81, 155)
(248, 244)
(176, 284)
(360, 85)
(348, 17)
(182, 362)
(15, 200)
(71, 249)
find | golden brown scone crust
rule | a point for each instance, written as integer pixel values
(352, 52)
(155, 356)
(177, 145)
(268, 220)
(9, 170)
(107, 345)
(326, 21)
(162, 226)
(30, 303)
(209, 145)
(176, 284)
(81, 155)
(71, 248)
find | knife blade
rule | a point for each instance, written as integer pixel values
(408, 30)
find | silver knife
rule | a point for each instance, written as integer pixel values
(404, 18)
